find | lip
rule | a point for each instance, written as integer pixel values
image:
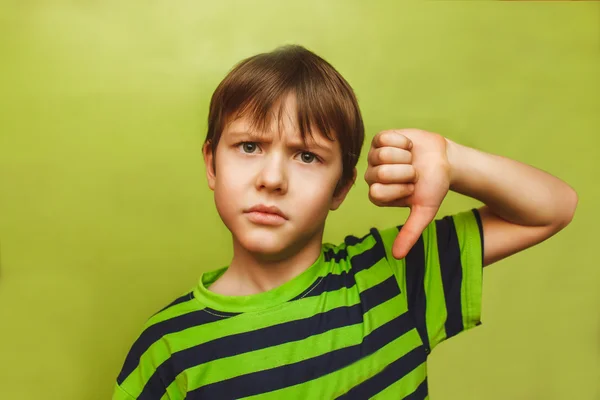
(265, 215)
(261, 208)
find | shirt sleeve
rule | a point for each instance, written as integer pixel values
(442, 276)
(120, 394)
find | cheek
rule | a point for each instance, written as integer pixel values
(230, 174)
(314, 193)
(229, 196)
(228, 189)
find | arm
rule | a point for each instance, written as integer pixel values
(414, 168)
(523, 205)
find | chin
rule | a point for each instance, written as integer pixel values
(265, 242)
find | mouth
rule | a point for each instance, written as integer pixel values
(265, 215)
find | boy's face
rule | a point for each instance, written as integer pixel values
(275, 169)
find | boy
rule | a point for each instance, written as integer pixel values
(293, 318)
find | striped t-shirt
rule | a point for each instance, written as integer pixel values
(357, 324)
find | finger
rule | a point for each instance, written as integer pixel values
(391, 138)
(388, 195)
(416, 223)
(391, 173)
(389, 155)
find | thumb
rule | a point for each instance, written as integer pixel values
(416, 223)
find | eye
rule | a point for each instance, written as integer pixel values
(308, 157)
(248, 147)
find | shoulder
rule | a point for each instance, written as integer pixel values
(451, 235)
(451, 232)
(183, 313)
(361, 251)
(149, 349)
(185, 304)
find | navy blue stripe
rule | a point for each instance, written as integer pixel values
(379, 294)
(359, 262)
(363, 260)
(388, 376)
(328, 283)
(154, 332)
(342, 254)
(415, 288)
(420, 393)
(274, 335)
(179, 300)
(352, 240)
(306, 370)
(313, 286)
(369, 257)
(451, 273)
(338, 256)
(480, 226)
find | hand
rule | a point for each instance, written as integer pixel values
(409, 168)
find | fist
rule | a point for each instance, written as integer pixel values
(390, 173)
(408, 168)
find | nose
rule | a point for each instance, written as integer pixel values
(273, 174)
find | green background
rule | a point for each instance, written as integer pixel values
(105, 215)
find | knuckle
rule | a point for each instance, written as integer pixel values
(413, 172)
(375, 191)
(377, 138)
(372, 157)
(385, 154)
(381, 173)
(384, 137)
(373, 196)
(376, 194)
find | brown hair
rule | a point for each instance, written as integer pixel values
(325, 101)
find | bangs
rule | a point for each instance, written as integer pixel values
(261, 108)
(257, 87)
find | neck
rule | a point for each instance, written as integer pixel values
(250, 273)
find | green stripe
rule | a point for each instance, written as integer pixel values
(120, 394)
(156, 355)
(271, 357)
(405, 385)
(359, 248)
(339, 382)
(313, 346)
(436, 312)
(472, 267)
(162, 349)
(175, 391)
(174, 311)
(398, 267)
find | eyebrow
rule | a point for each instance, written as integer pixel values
(295, 144)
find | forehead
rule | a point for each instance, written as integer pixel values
(279, 126)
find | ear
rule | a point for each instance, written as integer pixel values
(209, 164)
(339, 197)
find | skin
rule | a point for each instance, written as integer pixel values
(273, 168)
(523, 206)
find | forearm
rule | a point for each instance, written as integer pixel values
(514, 191)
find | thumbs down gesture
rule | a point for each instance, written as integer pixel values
(409, 168)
